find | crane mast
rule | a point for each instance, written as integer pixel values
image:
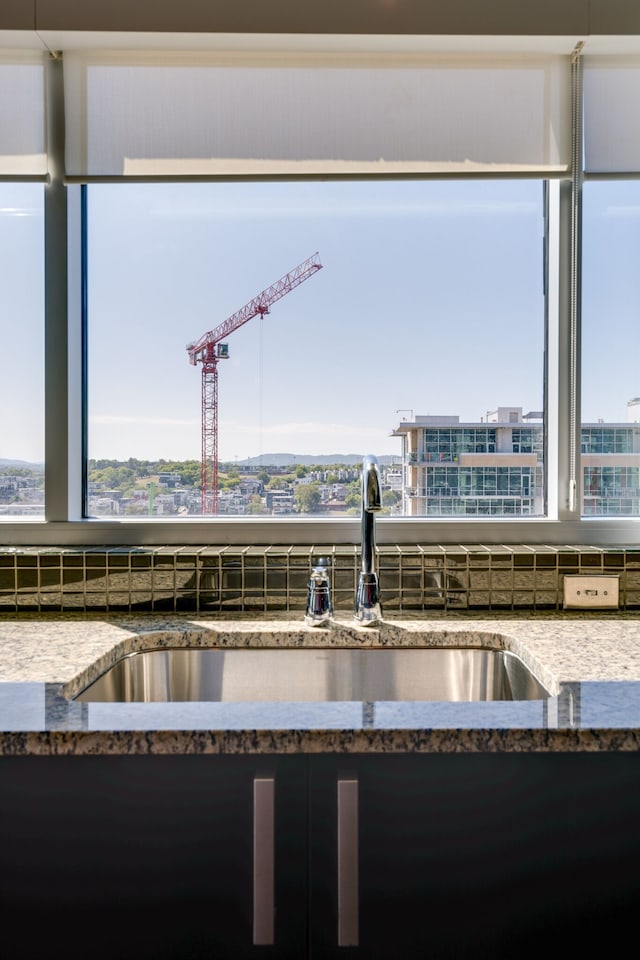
(210, 349)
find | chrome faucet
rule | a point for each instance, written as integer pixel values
(368, 609)
(319, 606)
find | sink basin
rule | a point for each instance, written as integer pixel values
(312, 675)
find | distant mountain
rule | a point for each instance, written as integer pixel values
(22, 464)
(321, 460)
(266, 460)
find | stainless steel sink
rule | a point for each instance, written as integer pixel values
(304, 674)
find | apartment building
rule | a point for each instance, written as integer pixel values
(495, 467)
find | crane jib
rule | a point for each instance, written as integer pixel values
(260, 303)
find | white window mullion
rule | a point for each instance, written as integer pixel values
(63, 364)
(575, 272)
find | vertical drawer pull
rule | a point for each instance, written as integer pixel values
(348, 892)
(263, 861)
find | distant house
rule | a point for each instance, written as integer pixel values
(249, 487)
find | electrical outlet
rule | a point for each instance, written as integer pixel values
(590, 593)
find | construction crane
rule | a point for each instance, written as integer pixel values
(209, 349)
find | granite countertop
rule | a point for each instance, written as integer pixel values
(589, 663)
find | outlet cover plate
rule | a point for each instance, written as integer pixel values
(591, 593)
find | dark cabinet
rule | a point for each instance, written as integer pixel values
(151, 857)
(480, 855)
(320, 856)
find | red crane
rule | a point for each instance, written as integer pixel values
(209, 349)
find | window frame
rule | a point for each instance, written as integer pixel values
(65, 429)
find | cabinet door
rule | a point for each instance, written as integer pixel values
(153, 857)
(473, 856)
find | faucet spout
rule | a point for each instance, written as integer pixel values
(368, 609)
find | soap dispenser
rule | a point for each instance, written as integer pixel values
(319, 607)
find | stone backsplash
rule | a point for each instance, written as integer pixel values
(266, 578)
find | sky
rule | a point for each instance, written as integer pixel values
(429, 302)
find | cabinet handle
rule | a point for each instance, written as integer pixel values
(348, 883)
(263, 860)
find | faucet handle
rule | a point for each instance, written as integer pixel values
(368, 609)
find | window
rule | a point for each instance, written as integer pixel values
(446, 287)
(23, 163)
(22, 354)
(610, 377)
(386, 317)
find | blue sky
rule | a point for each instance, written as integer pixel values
(413, 277)
(429, 300)
(21, 322)
(611, 298)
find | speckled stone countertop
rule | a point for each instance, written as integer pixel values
(589, 663)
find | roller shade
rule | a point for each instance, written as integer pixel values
(166, 114)
(22, 114)
(611, 108)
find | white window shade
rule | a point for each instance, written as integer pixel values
(611, 108)
(167, 115)
(22, 115)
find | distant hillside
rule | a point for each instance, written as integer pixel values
(321, 460)
(266, 460)
(21, 464)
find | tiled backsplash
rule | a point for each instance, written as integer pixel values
(217, 579)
